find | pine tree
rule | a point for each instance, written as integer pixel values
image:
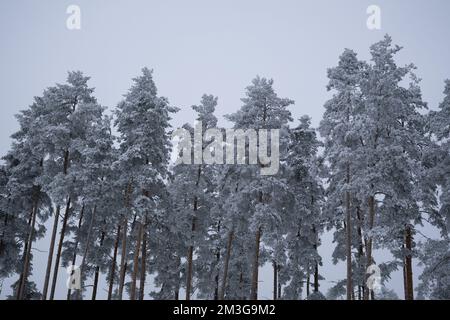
(339, 129)
(142, 119)
(262, 109)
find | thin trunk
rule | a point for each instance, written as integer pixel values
(177, 285)
(408, 264)
(74, 257)
(50, 253)
(316, 264)
(308, 284)
(53, 238)
(25, 250)
(97, 272)
(26, 265)
(360, 251)
(143, 265)
(316, 277)
(58, 253)
(348, 244)
(279, 285)
(123, 255)
(369, 257)
(241, 286)
(136, 262)
(227, 263)
(189, 273)
(86, 250)
(254, 287)
(275, 280)
(113, 264)
(216, 277)
(190, 254)
(405, 280)
(123, 259)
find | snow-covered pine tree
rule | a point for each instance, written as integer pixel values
(142, 120)
(192, 193)
(56, 130)
(341, 142)
(304, 223)
(262, 109)
(394, 142)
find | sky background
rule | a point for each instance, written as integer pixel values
(215, 47)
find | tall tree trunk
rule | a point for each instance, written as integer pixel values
(216, 277)
(275, 280)
(316, 277)
(177, 284)
(74, 257)
(113, 264)
(405, 280)
(136, 262)
(316, 264)
(50, 253)
(308, 284)
(97, 271)
(26, 266)
(123, 255)
(408, 264)
(143, 264)
(123, 258)
(361, 286)
(25, 250)
(348, 242)
(58, 253)
(86, 250)
(254, 287)
(227, 263)
(279, 283)
(369, 257)
(190, 254)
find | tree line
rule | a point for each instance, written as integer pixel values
(375, 170)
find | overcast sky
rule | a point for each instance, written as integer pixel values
(213, 47)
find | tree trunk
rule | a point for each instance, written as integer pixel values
(279, 284)
(123, 258)
(361, 286)
(97, 272)
(405, 280)
(143, 265)
(316, 264)
(369, 257)
(316, 277)
(308, 284)
(275, 280)
(136, 262)
(408, 264)
(190, 254)
(26, 266)
(348, 245)
(254, 287)
(86, 250)
(113, 264)
(225, 268)
(123, 255)
(25, 250)
(74, 257)
(50, 253)
(58, 253)
(189, 272)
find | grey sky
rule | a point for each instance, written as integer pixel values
(206, 46)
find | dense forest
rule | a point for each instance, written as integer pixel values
(104, 188)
